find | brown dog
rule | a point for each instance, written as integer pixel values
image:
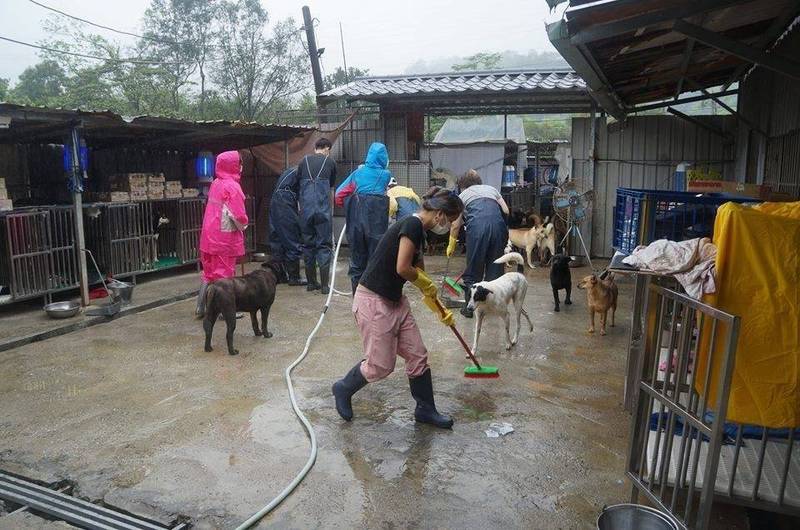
(251, 293)
(601, 295)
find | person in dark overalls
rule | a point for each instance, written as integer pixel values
(363, 195)
(402, 201)
(484, 220)
(285, 238)
(316, 175)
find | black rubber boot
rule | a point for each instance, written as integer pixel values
(324, 278)
(422, 390)
(200, 310)
(311, 277)
(279, 268)
(465, 310)
(344, 388)
(293, 274)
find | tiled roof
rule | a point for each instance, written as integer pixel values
(499, 81)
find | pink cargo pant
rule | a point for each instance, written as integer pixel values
(387, 330)
(217, 267)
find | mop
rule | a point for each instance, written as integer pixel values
(477, 371)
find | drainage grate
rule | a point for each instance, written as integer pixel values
(58, 504)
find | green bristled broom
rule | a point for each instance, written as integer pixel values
(477, 371)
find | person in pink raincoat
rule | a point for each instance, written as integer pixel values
(224, 222)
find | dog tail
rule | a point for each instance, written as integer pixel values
(210, 295)
(513, 258)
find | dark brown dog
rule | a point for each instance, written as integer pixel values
(251, 293)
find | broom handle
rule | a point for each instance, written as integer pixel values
(459, 337)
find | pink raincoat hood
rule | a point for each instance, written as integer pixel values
(224, 191)
(227, 166)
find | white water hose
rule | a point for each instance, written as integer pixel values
(312, 457)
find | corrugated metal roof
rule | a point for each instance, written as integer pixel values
(34, 124)
(633, 52)
(498, 81)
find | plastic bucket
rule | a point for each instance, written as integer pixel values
(634, 517)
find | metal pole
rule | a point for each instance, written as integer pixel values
(77, 201)
(344, 56)
(313, 55)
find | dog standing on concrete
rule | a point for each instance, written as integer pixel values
(500, 297)
(251, 293)
(561, 278)
(601, 295)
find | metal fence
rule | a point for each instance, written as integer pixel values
(684, 452)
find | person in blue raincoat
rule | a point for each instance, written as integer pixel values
(486, 231)
(316, 176)
(285, 237)
(363, 195)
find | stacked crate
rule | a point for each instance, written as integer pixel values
(134, 184)
(155, 186)
(5, 202)
(173, 189)
(190, 193)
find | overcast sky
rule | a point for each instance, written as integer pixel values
(385, 37)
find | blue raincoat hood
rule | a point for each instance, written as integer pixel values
(377, 156)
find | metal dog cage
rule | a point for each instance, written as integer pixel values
(684, 453)
(37, 253)
(121, 236)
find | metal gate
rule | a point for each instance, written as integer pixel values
(190, 222)
(38, 252)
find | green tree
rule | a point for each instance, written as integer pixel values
(479, 61)
(181, 32)
(254, 71)
(3, 89)
(41, 84)
(339, 77)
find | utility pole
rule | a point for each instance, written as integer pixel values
(313, 54)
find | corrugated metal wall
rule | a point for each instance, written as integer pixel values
(642, 152)
(771, 101)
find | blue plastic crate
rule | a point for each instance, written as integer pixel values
(643, 216)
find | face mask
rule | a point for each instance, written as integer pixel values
(441, 229)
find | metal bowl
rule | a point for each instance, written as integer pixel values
(62, 309)
(634, 517)
(260, 257)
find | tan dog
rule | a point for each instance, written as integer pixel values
(601, 295)
(546, 240)
(528, 238)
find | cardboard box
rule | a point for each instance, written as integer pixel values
(6, 204)
(173, 185)
(155, 187)
(112, 196)
(2, 182)
(755, 191)
(190, 193)
(155, 195)
(3, 194)
(156, 178)
(138, 195)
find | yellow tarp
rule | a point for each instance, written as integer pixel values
(758, 279)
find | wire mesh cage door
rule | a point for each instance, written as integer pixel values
(684, 384)
(63, 250)
(28, 253)
(125, 226)
(190, 223)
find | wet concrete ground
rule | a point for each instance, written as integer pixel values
(138, 415)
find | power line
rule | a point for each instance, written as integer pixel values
(87, 56)
(99, 25)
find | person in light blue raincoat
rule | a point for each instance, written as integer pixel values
(363, 194)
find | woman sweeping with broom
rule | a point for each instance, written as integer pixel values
(383, 314)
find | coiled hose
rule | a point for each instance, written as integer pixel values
(312, 457)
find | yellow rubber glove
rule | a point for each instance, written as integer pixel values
(429, 296)
(451, 246)
(425, 284)
(444, 314)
